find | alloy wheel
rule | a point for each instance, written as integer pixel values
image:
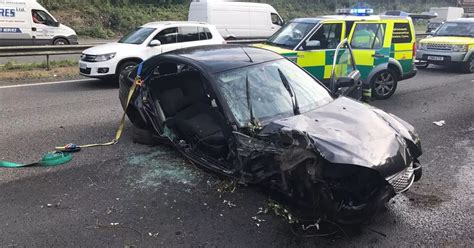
(384, 84)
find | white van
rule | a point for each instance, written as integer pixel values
(26, 22)
(237, 20)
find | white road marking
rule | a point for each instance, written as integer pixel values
(45, 83)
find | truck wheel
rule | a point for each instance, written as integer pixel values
(60, 41)
(468, 67)
(384, 84)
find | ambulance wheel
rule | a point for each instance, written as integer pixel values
(468, 67)
(60, 42)
(384, 84)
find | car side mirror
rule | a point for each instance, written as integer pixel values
(57, 24)
(313, 43)
(154, 43)
(351, 80)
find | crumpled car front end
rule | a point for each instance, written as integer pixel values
(328, 169)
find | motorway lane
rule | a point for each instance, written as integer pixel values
(159, 199)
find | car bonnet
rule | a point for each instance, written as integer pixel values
(349, 132)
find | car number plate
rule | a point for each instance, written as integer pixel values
(82, 66)
(436, 58)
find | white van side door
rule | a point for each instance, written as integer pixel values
(43, 27)
(15, 26)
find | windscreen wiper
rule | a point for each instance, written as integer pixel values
(249, 101)
(294, 100)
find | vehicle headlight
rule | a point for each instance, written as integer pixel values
(104, 57)
(422, 46)
(459, 48)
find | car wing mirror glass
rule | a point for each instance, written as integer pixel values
(154, 43)
(313, 43)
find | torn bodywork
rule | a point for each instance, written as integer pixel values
(326, 156)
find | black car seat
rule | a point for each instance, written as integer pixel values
(189, 112)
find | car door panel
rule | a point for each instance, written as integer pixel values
(370, 46)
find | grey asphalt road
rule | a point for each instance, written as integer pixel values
(130, 194)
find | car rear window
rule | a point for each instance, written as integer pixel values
(402, 33)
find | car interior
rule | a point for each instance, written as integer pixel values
(189, 109)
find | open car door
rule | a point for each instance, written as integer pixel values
(345, 78)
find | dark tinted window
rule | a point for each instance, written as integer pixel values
(167, 36)
(401, 33)
(204, 34)
(276, 19)
(41, 17)
(187, 34)
(368, 36)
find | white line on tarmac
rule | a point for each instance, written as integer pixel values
(45, 83)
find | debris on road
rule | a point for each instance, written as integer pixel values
(229, 204)
(439, 123)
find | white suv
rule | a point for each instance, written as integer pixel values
(109, 60)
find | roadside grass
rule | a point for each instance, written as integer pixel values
(14, 65)
(37, 70)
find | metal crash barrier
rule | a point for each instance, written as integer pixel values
(48, 51)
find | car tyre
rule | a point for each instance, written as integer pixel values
(132, 113)
(60, 42)
(468, 67)
(384, 84)
(124, 68)
(418, 173)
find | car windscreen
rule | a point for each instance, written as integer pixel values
(463, 29)
(291, 34)
(268, 96)
(137, 36)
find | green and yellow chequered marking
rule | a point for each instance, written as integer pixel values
(318, 63)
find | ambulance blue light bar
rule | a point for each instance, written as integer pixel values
(362, 11)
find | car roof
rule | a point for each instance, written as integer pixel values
(166, 23)
(349, 18)
(219, 58)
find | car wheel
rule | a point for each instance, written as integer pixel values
(418, 173)
(468, 67)
(124, 67)
(132, 113)
(60, 42)
(384, 84)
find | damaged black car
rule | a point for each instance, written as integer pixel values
(256, 117)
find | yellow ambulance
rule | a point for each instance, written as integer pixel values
(384, 48)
